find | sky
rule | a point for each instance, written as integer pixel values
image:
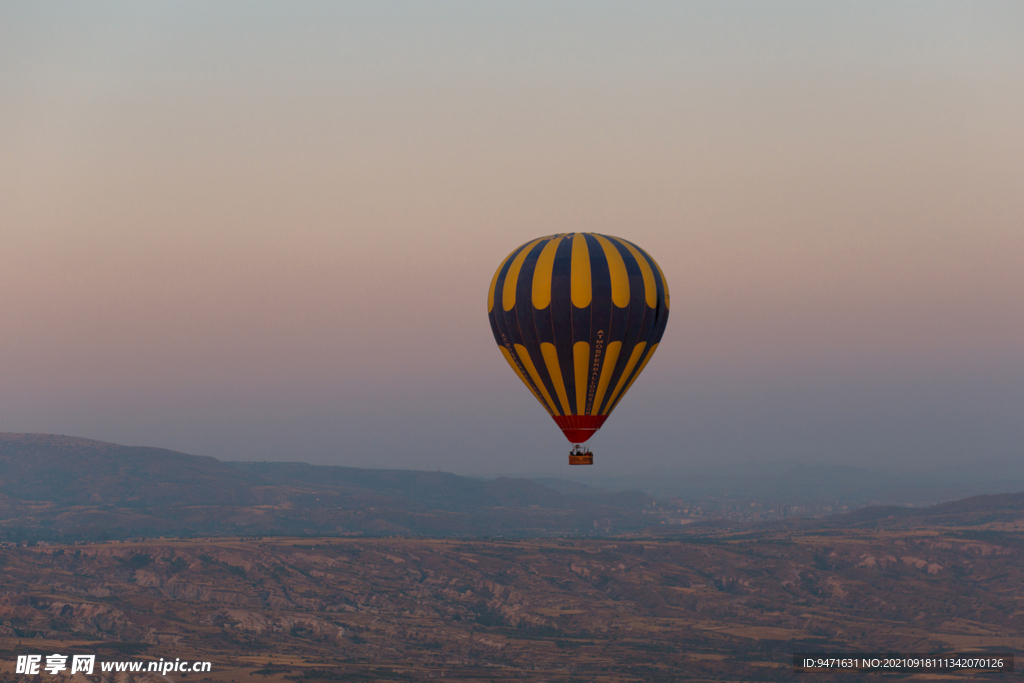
(265, 231)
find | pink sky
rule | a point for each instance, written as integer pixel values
(268, 234)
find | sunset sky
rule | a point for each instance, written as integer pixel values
(265, 231)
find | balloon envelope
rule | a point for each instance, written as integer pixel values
(578, 316)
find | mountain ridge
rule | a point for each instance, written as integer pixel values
(68, 487)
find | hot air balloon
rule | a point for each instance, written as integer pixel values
(578, 316)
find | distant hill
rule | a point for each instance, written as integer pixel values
(821, 484)
(66, 487)
(997, 509)
(67, 470)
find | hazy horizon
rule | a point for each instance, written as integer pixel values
(266, 232)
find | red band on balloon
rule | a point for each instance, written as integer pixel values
(579, 428)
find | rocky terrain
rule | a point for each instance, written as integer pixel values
(286, 572)
(710, 606)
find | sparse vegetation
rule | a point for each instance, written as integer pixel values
(714, 601)
(399, 609)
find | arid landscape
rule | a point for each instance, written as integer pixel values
(719, 606)
(555, 586)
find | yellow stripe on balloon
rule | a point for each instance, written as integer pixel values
(542, 274)
(650, 288)
(515, 367)
(580, 288)
(508, 292)
(617, 270)
(512, 361)
(551, 361)
(650, 354)
(494, 284)
(664, 282)
(633, 359)
(524, 358)
(610, 357)
(581, 359)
